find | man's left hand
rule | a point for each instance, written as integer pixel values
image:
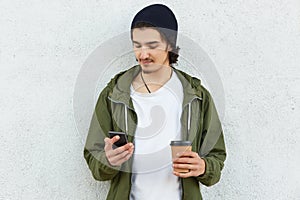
(191, 161)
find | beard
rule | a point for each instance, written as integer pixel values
(151, 68)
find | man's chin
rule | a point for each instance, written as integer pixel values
(149, 68)
(146, 66)
(146, 71)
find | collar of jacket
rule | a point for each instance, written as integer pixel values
(120, 86)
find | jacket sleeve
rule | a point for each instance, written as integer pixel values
(212, 148)
(94, 153)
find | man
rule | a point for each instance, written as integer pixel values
(154, 103)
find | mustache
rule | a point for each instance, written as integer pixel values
(147, 59)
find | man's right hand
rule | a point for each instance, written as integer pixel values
(118, 156)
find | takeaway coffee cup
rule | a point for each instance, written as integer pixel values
(179, 147)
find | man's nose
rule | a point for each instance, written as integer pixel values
(144, 53)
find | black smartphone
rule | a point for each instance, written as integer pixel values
(122, 141)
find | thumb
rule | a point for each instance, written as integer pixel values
(109, 142)
(114, 139)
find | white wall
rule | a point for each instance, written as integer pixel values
(255, 46)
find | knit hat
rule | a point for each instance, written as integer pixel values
(161, 17)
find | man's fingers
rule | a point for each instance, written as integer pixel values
(124, 148)
(185, 160)
(120, 150)
(187, 154)
(187, 157)
(183, 175)
(185, 166)
(194, 164)
(121, 158)
(125, 158)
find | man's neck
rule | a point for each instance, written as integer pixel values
(154, 80)
(161, 75)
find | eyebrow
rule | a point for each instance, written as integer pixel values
(147, 43)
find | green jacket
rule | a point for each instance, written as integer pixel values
(114, 111)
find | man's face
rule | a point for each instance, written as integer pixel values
(150, 49)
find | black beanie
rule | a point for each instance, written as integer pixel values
(161, 17)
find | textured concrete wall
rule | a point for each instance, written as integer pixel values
(43, 44)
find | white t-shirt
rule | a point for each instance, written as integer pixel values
(158, 123)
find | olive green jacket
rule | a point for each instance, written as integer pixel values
(114, 111)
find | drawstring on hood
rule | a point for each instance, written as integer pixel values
(189, 121)
(126, 121)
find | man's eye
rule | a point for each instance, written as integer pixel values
(137, 46)
(153, 47)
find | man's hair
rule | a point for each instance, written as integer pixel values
(173, 55)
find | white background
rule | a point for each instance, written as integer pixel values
(255, 46)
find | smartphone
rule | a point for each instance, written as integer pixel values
(122, 141)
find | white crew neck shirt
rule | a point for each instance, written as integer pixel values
(158, 116)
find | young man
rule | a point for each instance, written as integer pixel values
(154, 103)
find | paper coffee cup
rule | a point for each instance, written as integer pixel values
(179, 147)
